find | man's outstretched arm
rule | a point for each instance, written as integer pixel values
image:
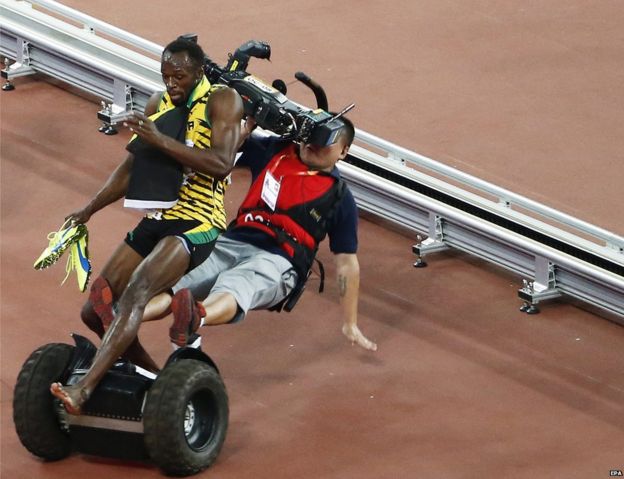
(348, 275)
(116, 186)
(114, 189)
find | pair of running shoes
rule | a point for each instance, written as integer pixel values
(74, 238)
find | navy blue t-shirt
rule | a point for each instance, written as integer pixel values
(342, 229)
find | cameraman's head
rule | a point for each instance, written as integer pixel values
(182, 69)
(323, 158)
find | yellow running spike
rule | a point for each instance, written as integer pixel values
(59, 242)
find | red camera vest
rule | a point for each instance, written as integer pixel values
(306, 201)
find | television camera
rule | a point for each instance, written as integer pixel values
(268, 104)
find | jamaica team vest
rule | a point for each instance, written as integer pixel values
(201, 196)
(306, 201)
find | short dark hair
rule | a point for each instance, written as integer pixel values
(348, 130)
(195, 52)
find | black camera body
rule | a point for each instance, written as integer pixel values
(273, 111)
(268, 104)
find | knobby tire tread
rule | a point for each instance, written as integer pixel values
(167, 400)
(35, 420)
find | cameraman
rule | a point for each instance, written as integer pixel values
(296, 197)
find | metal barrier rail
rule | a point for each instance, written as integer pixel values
(555, 253)
(125, 76)
(504, 197)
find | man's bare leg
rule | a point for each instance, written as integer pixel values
(157, 273)
(115, 274)
(220, 308)
(158, 307)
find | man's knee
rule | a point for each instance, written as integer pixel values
(158, 272)
(138, 291)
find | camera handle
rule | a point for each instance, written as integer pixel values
(253, 48)
(319, 93)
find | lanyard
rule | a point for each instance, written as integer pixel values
(299, 173)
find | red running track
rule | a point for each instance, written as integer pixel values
(527, 96)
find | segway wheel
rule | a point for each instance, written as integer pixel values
(35, 409)
(186, 417)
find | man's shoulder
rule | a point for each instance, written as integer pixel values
(220, 93)
(223, 102)
(345, 190)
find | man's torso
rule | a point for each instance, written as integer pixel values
(200, 196)
(342, 226)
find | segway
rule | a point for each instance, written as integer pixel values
(177, 419)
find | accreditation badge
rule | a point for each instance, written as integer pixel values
(270, 190)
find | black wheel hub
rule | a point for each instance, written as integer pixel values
(199, 420)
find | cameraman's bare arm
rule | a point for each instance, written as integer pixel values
(348, 276)
(225, 111)
(114, 189)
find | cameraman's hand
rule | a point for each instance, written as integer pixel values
(247, 126)
(144, 128)
(250, 124)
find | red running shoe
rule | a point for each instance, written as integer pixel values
(101, 298)
(187, 315)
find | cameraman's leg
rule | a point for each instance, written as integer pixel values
(260, 280)
(204, 269)
(187, 312)
(251, 278)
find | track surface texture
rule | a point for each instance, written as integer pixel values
(526, 95)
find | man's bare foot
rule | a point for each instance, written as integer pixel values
(70, 396)
(354, 334)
